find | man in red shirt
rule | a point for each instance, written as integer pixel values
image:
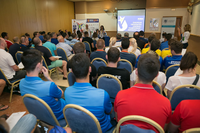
(142, 99)
(5, 37)
(185, 116)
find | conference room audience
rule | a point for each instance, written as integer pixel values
(140, 43)
(48, 44)
(4, 35)
(33, 84)
(142, 99)
(99, 53)
(141, 33)
(65, 36)
(74, 39)
(185, 35)
(113, 56)
(54, 38)
(89, 40)
(164, 44)
(133, 47)
(188, 66)
(119, 40)
(82, 93)
(24, 43)
(14, 48)
(112, 42)
(126, 35)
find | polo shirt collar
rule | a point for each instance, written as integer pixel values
(32, 78)
(76, 84)
(99, 50)
(143, 86)
(125, 51)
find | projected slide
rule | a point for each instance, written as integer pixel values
(130, 21)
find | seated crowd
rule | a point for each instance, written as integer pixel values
(149, 59)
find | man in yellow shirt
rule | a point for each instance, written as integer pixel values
(166, 52)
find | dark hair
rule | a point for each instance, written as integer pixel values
(136, 36)
(30, 58)
(64, 34)
(80, 65)
(26, 34)
(189, 60)
(125, 43)
(35, 33)
(69, 33)
(49, 33)
(40, 32)
(155, 44)
(47, 37)
(100, 44)
(85, 33)
(73, 35)
(79, 47)
(78, 31)
(52, 33)
(151, 37)
(168, 36)
(141, 33)
(102, 27)
(126, 34)
(119, 36)
(113, 54)
(163, 34)
(79, 35)
(36, 41)
(94, 35)
(148, 67)
(4, 34)
(176, 46)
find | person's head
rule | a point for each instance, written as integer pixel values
(53, 35)
(163, 34)
(65, 35)
(79, 47)
(126, 35)
(112, 41)
(102, 28)
(175, 46)
(47, 37)
(125, 43)
(32, 60)
(86, 26)
(86, 34)
(80, 65)
(79, 35)
(100, 44)
(150, 38)
(168, 37)
(26, 34)
(188, 61)
(113, 55)
(37, 41)
(187, 28)
(136, 35)
(94, 35)
(24, 40)
(119, 36)
(4, 35)
(141, 33)
(74, 36)
(148, 67)
(16, 39)
(97, 31)
(3, 43)
(69, 33)
(36, 34)
(133, 43)
(155, 44)
(61, 39)
(78, 31)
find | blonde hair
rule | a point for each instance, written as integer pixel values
(133, 43)
(112, 41)
(187, 28)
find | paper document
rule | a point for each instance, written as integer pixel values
(57, 56)
(20, 65)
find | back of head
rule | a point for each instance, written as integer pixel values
(86, 34)
(64, 34)
(136, 35)
(188, 61)
(133, 43)
(94, 35)
(60, 38)
(15, 39)
(118, 36)
(36, 41)
(22, 39)
(113, 54)
(4, 34)
(100, 44)
(52, 34)
(78, 31)
(74, 35)
(148, 67)
(155, 44)
(69, 33)
(176, 46)
(126, 34)
(163, 34)
(125, 43)
(141, 33)
(112, 41)
(26, 34)
(168, 36)
(187, 28)
(79, 35)
(80, 65)
(79, 47)
(151, 37)
(47, 37)
(30, 58)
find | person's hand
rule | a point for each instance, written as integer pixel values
(45, 72)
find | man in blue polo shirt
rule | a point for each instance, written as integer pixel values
(176, 49)
(32, 84)
(84, 94)
(54, 38)
(164, 44)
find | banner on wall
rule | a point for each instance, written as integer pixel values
(154, 23)
(168, 25)
(93, 24)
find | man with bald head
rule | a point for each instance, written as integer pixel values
(99, 53)
(140, 43)
(50, 60)
(24, 43)
(14, 48)
(65, 46)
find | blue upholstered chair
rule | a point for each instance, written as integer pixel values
(192, 130)
(97, 62)
(171, 70)
(18, 56)
(133, 129)
(107, 39)
(71, 78)
(50, 70)
(12, 83)
(110, 84)
(81, 120)
(157, 87)
(41, 110)
(61, 52)
(87, 47)
(184, 92)
(123, 63)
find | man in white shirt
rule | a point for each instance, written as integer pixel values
(65, 46)
(118, 42)
(7, 64)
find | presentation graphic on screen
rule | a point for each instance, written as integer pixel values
(130, 21)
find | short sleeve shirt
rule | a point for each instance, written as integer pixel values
(66, 47)
(185, 37)
(46, 54)
(98, 54)
(166, 53)
(54, 40)
(130, 57)
(50, 46)
(164, 45)
(145, 50)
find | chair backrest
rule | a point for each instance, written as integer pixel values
(184, 92)
(192, 130)
(134, 54)
(3, 76)
(81, 120)
(97, 62)
(110, 84)
(87, 46)
(18, 56)
(157, 87)
(139, 49)
(107, 38)
(139, 118)
(61, 52)
(71, 78)
(44, 63)
(171, 70)
(123, 63)
(40, 109)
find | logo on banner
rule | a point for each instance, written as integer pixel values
(122, 24)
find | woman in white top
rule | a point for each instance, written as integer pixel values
(188, 66)
(185, 36)
(133, 47)
(95, 37)
(112, 44)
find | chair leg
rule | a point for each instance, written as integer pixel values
(57, 73)
(11, 92)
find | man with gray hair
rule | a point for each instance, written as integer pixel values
(14, 48)
(24, 43)
(54, 38)
(126, 35)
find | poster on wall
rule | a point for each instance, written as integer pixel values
(154, 23)
(168, 25)
(78, 24)
(93, 24)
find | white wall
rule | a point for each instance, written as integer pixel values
(110, 23)
(195, 20)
